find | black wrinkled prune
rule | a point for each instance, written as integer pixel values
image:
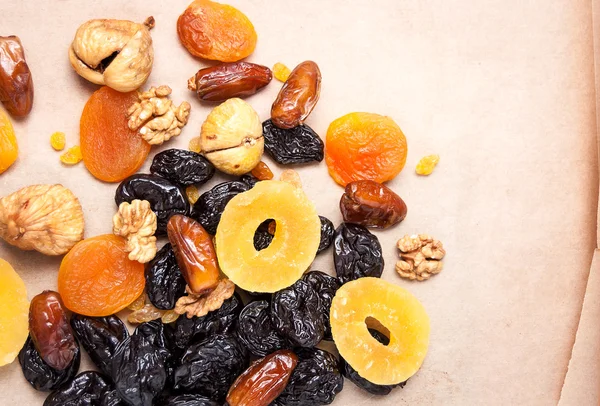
(326, 286)
(164, 281)
(41, 375)
(166, 199)
(315, 381)
(140, 370)
(182, 167)
(256, 331)
(210, 205)
(327, 231)
(211, 366)
(296, 145)
(296, 314)
(188, 400)
(99, 337)
(357, 253)
(87, 389)
(262, 237)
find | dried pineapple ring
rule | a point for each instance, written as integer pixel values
(375, 302)
(14, 313)
(292, 250)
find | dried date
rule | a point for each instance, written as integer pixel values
(326, 286)
(182, 167)
(372, 204)
(16, 82)
(357, 253)
(295, 145)
(87, 389)
(164, 281)
(327, 232)
(256, 331)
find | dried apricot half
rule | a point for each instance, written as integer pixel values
(8, 143)
(110, 150)
(363, 146)
(216, 31)
(97, 278)
(14, 313)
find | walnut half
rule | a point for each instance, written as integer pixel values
(201, 305)
(420, 257)
(136, 222)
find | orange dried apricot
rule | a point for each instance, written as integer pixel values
(111, 151)
(8, 143)
(216, 31)
(97, 278)
(364, 146)
(14, 313)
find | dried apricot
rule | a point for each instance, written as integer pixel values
(364, 146)
(72, 156)
(216, 31)
(111, 151)
(8, 143)
(427, 164)
(58, 141)
(97, 278)
(14, 311)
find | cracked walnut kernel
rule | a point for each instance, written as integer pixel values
(420, 257)
(136, 222)
(201, 305)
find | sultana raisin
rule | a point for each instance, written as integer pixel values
(58, 141)
(281, 72)
(72, 156)
(427, 164)
(262, 171)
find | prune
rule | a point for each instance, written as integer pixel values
(188, 400)
(357, 253)
(256, 331)
(315, 381)
(371, 204)
(361, 382)
(182, 167)
(87, 389)
(296, 313)
(325, 286)
(327, 231)
(262, 237)
(211, 366)
(165, 198)
(164, 281)
(209, 207)
(297, 145)
(100, 337)
(140, 370)
(42, 376)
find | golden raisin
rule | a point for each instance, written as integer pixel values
(72, 156)
(58, 141)
(427, 164)
(194, 144)
(281, 72)
(192, 194)
(262, 171)
(138, 303)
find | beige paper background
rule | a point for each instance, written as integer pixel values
(503, 90)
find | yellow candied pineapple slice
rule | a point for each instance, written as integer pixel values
(14, 313)
(8, 143)
(294, 246)
(374, 302)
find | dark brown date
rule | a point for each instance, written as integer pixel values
(239, 79)
(298, 96)
(16, 83)
(50, 330)
(372, 204)
(264, 380)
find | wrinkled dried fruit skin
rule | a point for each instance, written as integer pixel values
(195, 253)
(327, 232)
(16, 82)
(100, 337)
(295, 145)
(50, 330)
(209, 207)
(89, 388)
(315, 381)
(182, 167)
(298, 96)
(262, 171)
(222, 82)
(166, 199)
(263, 237)
(372, 204)
(216, 31)
(325, 286)
(296, 313)
(256, 331)
(264, 381)
(188, 400)
(42, 376)
(164, 281)
(357, 253)
(211, 366)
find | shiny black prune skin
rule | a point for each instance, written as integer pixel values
(210, 367)
(262, 237)
(315, 381)
(164, 281)
(99, 337)
(87, 389)
(256, 331)
(296, 145)
(327, 232)
(188, 400)
(357, 253)
(166, 199)
(182, 167)
(42, 376)
(326, 286)
(296, 314)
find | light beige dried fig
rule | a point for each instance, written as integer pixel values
(115, 53)
(45, 218)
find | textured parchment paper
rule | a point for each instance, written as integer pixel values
(503, 90)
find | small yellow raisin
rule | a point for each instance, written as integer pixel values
(281, 72)
(427, 164)
(72, 156)
(58, 140)
(138, 303)
(192, 194)
(170, 316)
(195, 145)
(262, 171)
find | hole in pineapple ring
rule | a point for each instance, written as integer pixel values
(264, 234)
(375, 325)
